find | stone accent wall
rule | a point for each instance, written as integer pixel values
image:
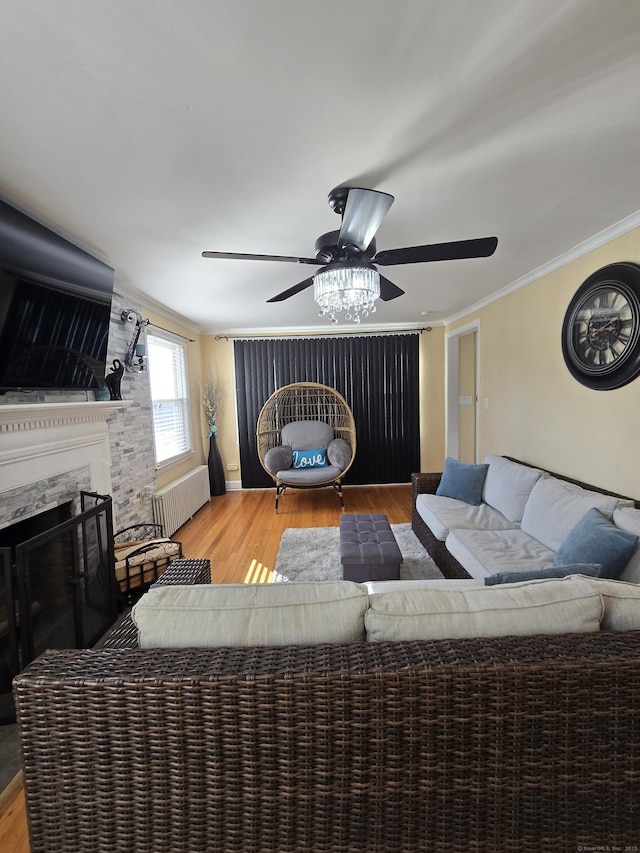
(133, 474)
(46, 494)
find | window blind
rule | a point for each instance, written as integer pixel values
(169, 396)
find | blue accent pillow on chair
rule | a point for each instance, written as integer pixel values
(462, 481)
(310, 458)
(595, 539)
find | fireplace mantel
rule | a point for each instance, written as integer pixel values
(41, 441)
(43, 415)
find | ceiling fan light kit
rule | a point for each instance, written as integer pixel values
(343, 286)
(348, 281)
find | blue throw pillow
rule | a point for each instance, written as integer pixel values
(595, 539)
(587, 569)
(310, 458)
(462, 481)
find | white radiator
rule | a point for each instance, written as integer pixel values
(176, 503)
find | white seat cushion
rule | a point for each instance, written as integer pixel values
(483, 552)
(442, 514)
(282, 614)
(569, 605)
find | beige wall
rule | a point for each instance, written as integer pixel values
(537, 411)
(467, 388)
(218, 355)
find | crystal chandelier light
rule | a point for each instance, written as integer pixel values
(349, 287)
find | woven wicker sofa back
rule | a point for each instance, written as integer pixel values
(488, 744)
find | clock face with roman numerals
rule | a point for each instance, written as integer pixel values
(601, 330)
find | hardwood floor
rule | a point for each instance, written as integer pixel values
(240, 533)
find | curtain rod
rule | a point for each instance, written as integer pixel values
(171, 332)
(328, 334)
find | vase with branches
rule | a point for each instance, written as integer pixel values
(211, 398)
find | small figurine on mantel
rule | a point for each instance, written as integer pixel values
(112, 380)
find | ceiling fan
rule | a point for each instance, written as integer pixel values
(353, 247)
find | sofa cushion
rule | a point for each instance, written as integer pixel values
(444, 514)
(307, 435)
(310, 458)
(380, 587)
(555, 507)
(483, 552)
(309, 476)
(628, 519)
(621, 605)
(541, 574)
(569, 605)
(282, 614)
(595, 539)
(508, 485)
(462, 481)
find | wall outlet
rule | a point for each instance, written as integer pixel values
(466, 400)
(231, 466)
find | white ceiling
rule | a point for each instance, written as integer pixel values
(148, 132)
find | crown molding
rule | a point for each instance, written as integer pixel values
(578, 251)
(150, 303)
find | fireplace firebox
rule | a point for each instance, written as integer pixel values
(57, 585)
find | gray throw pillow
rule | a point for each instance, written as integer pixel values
(595, 539)
(590, 570)
(278, 459)
(462, 481)
(339, 453)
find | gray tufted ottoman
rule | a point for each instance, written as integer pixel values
(368, 549)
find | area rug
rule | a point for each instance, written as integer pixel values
(313, 554)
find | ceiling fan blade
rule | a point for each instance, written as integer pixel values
(389, 290)
(237, 256)
(363, 215)
(291, 291)
(457, 250)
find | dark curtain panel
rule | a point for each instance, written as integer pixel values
(376, 374)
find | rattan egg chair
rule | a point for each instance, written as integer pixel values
(308, 408)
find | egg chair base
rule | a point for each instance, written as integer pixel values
(282, 487)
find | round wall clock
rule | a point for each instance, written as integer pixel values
(601, 329)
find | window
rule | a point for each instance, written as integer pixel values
(169, 396)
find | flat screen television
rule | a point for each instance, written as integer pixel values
(55, 308)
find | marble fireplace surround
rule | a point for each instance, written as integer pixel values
(49, 452)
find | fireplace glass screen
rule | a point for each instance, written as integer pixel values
(57, 589)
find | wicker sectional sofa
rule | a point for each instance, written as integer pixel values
(524, 516)
(496, 744)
